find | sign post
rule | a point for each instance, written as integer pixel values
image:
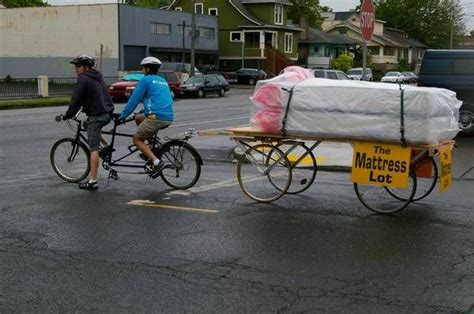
(367, 18)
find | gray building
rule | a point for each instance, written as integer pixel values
(42, 40)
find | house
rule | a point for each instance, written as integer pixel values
(42, 40)
(387, 46)
(318, 48)
(252, 33)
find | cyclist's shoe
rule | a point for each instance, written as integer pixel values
(157, 170)
(88, 185)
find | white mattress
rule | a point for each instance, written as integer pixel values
(367, 110)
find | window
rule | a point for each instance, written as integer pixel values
(199, 8)
(180, 9)
(389, 51)
(278, 14)
(463, 66)
(160, 28)
(213, 11)
(235, 36)
(206, 32)
(288, 42)
(375, 51)
(332, 75)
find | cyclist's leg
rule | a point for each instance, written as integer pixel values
(145, 131)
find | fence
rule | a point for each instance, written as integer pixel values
(11, 88)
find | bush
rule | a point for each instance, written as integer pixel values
(343, 62)
(403, 65)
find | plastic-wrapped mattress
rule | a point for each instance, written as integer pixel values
(355, 110)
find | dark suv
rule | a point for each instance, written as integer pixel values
(454, 70)
(201, 85)
(250, 76)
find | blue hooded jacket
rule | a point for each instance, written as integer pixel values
(154, 92)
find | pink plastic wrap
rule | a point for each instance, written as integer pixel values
(268, 98)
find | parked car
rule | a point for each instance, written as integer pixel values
(393, 77)
(356, 74)
(410, 77)
(250, 76)
(454, 70)
(330, 74)
(182, 70)
(121, 90)
(201, 85)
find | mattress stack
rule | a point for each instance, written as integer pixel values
(354, 109)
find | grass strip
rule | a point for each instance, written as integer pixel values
(33, 102)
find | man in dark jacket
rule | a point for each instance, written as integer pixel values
(92, 95)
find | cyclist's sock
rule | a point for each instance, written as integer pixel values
(156, 162)
(92, 181)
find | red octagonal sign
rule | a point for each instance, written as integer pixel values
(367, 17)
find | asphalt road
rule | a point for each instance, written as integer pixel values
(210, 249)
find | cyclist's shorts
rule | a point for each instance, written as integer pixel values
(94, 128)
(148, 128)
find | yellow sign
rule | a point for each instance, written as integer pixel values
(381, 164)
(446, 169)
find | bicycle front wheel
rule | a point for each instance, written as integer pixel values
(70, 159)
(182, 165)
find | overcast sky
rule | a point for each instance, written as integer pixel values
(336, 5)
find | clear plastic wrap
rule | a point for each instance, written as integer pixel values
(354, 109)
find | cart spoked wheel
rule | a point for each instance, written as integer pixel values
(303, 170)
(260, 170)
(425, 181)
(379, 200)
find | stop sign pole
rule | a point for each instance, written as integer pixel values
(367, 21)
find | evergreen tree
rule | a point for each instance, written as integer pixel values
(310, 8)
(23, 3)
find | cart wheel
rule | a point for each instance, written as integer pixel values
(303, 173)
(260, 170)
(425, 183)
(377, 199)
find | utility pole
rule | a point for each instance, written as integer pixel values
(193, 38)
(183, 57)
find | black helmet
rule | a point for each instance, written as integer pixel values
(83, 60)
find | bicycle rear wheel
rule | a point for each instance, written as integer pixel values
(378, 199)
(182, 165)
(425, 183)
(70, 159)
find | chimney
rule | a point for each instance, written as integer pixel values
(304, 24)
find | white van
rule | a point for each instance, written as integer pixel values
(356, 74)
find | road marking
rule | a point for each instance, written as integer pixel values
(146, 203)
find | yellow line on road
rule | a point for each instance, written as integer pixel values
(154, 205)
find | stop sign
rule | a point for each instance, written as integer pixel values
(367, 17)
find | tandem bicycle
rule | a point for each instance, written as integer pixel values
(69, 156)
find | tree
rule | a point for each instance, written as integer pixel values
(148, 3)
(437, 23)
(310, 8)
(343, 62)
(23, 3)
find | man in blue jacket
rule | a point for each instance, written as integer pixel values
(92, 95)
(158, 113)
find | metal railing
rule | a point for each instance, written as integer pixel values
(18, 88)
(11, 88)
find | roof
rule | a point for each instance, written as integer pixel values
(246, 13)
(344, 16)
(402, 36)
(316, 36)
(284, 2)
